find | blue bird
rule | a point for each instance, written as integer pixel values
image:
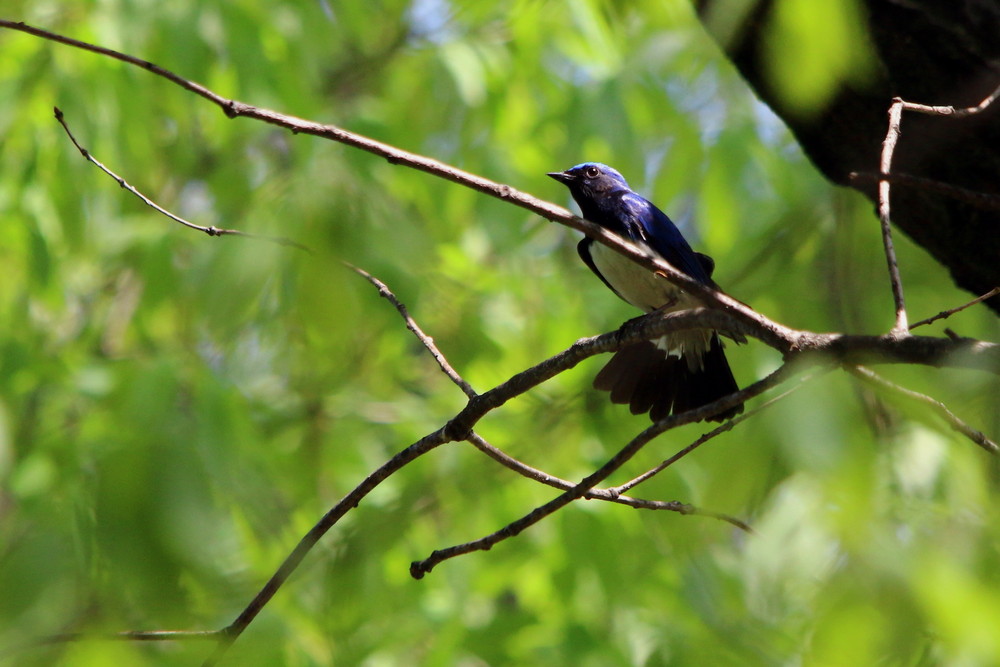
(682, 370)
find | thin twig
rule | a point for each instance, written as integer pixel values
(309, 540)
(722, 428)
(954, 112)
(420, 568)
(412, 325)
(948, 313)
(888, 147)
(130, 635)
(957, 424)
(609, 495)
(885, 168)
(211, 231)
(978, 199)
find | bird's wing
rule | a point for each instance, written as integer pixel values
(583, 247)
(652, 226)
(706, 262)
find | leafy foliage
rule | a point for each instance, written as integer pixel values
(176, 411)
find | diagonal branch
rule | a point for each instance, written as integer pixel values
(232, 632)
(983, 200)
(458, 428)
(940, 408)
(610, 495)
(211, 231)
(420, 568)
(718, 430)
(499, 456)
(951, 311)
(411, 324)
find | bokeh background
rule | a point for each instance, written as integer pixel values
(177, 410)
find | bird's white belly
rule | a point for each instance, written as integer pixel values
(647, 291)
(639, 286)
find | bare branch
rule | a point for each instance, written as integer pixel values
(510, 462)
(129, 635)
(609, 495)
(309, 540)
(952, 111)
(722, 428)
(211, 231)
(940, 408)
(978, 199)
(948, 313)
(885, 167)
(412, 325)
(420, 568)
(457, 428)
(888, 147)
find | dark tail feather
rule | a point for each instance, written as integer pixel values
(643, 376)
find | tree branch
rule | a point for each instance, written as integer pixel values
(609, 495)
(940, 408)
(235, 108)
(888, 147)
(982, 200)
(896, 109)
(309, 540)
(718, 430)
(411, 324)
(948, 313)
(613, 495)
(211, 231)
(420, 568)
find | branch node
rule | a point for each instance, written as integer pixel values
(418, 569)
(457, 432)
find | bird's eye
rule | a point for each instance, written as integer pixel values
(592, 172)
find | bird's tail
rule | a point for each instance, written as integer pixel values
(648, 380)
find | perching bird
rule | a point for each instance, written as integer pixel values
(682, 370)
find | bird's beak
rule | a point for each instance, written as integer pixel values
(562, 176)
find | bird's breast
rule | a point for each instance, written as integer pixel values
(638, 286)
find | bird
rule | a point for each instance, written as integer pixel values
(681, 370)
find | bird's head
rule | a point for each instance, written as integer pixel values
(590, 180)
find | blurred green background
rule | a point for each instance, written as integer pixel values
(176, 410)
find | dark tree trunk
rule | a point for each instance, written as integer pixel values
(939, 52)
